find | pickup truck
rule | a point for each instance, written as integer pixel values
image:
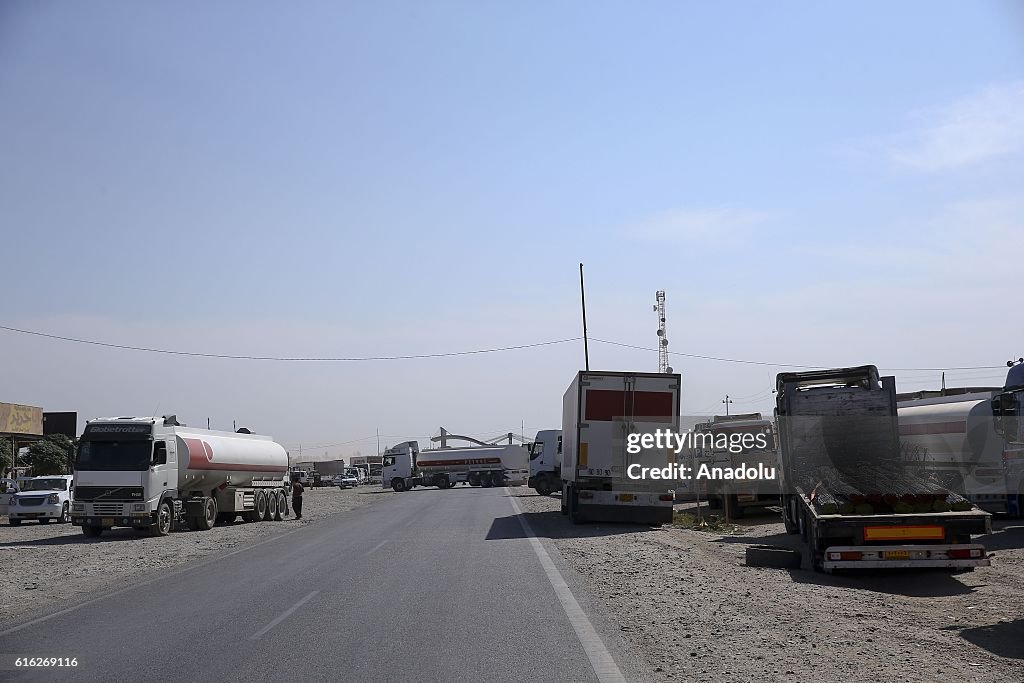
(42, 499)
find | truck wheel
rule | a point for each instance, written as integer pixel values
(574, 506)
(497, 479)
(206, 521)
(282, 503)
(14, 522)
(788, 518)
(272, 512)
(442, 482)
(562, 500)
(473, 479)
(398, 485)
(280, 508)
(162, 526)
(261, 506)
(92, 531)
(44, 520)
(65, 514)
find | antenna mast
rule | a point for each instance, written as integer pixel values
(659, 308)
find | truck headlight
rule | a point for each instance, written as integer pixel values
(139, 507)
(78, 507)
(53, 499)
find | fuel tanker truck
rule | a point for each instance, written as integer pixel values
(154, 474)
(405, 466)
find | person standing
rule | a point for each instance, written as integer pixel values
(297, 498)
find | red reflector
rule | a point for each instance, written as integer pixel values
(962, 553)
(666, 496)
(850, 555)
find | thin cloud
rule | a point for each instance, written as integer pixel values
(718, 225)
(985, 125)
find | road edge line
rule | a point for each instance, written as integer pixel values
(605, 668)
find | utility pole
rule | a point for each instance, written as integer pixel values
(727, 401)
(378, 440)
(583, 302)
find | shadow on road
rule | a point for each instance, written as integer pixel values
(1006, 534)
(917, 583)
(554, 524)
(1005, 638)
(111, 535)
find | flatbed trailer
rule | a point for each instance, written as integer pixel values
(846, 419)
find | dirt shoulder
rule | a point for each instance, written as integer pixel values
(688, 605)
(43, 565)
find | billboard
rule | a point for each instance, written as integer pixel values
(19, 419)
(65, 423)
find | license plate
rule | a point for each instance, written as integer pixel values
(626, 497)
(896, 554)
(107, 521)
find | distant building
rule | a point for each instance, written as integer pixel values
(328, 467)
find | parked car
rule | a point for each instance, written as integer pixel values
(346, 480)
(42, 499)
(8, 487)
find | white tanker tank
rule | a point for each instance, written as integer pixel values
(155, 474)
(952, 439)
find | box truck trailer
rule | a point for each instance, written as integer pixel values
(153, 474)
(599, 412)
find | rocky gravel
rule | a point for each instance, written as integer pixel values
(689, 607)
(42, 565)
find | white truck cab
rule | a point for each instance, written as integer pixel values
(42, 499)
(546, 462)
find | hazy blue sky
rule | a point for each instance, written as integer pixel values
(811, 184)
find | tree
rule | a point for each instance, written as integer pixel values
(6, 450)
(51, 455)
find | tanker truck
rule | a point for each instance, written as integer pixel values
(405, 466)
(155, 474)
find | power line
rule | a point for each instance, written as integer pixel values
(782, 365)
(353, 359)
(284, 358)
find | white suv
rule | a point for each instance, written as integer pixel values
(42, 498)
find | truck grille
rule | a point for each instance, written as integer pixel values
(106, 508)
(108, 493)
(34, 500)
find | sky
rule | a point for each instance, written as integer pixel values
(811, 184)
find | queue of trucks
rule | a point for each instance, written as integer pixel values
(832, 431)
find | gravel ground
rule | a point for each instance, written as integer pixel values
(688, 605)
(43, 565)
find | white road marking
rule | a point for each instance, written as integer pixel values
(140, 584)
(284, 615)
(600, 659)
(377, 547)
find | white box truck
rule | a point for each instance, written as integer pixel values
(153, 473)
(599, 410)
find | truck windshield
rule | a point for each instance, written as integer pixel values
(46, 485)
(114, 455)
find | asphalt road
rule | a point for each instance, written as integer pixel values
(427, 585)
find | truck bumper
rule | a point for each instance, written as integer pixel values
(905, 557)
(624, 506)
(138, 522)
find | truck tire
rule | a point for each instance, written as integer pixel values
(282, 503)
(441, 481)
(164, 517)
(272, 512)
(563, 498)
(92, 531)
(790, 520)
(260, 505)
(773, 556)
(398, 484)
(281, 506)
(205, 521)
(14, 522)
(473, 479)
(574, 506)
